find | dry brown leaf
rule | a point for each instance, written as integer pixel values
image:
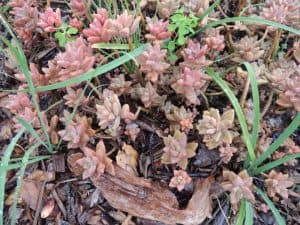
(149, 200)
(48, 208)
(127, 159)
(30, 192)
(73, 166)
(40, 175)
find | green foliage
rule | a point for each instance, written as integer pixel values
(239, 112)
(4, 9)
(182, 25)
(4, 163)
(64, 34)
(274, 210)
(274, 146)
(19, 54)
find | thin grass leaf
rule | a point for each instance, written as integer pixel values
(277, 143)
(242, 213)
(14, 166)
(238, 110)
(256, 104)
(94, 73)
(117, 46)
(278, 217)
(25, 162)
(31, 130)
(4, 162)
(209, 10)
(256, 20)
(20, 159)
(275, 163)
(249, 213)
(23, 66)
(70, 118)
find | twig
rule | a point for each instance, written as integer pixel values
(222, 211)
(59, 203)
(39, 204)
(268, 104)
(245, 92)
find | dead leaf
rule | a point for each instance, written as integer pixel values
(48, 208)
(73, 166)
(127, 159)
(149, 200)
(30, 191)
(40, 175)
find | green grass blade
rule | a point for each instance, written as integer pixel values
(238, 110)
(114, 46)
(249, 214)
(23, 66)
(275, 163)
(276, 144)
(4, 162)
(242, 213)
(278, 217)
(209, 10)
(25, 162)
(256, 20)
(31, 130)
(256, 104)
(94, 73)
(14, 166)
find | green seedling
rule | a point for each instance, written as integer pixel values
(183, 26)
(65, 34)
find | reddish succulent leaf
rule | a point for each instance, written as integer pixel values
(142, 198)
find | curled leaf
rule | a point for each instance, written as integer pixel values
(149, 200)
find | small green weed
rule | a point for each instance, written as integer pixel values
(64, 34)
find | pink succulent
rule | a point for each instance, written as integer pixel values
(77, 133)
(77, 59)
(180, 179)
(214, 41)
(239, 185)
(277, 183)
(282, 11)
(290, 97)
(50, 19)
(152, 62)
(76, 23)
(158, 30)
(38, 79)
(177, 150)
(194, 55)
(74, 98)
(124, 25)
(18, 102)
(25, 22)
(148, 95)
(110, 112)
(98, 30)
(119, 85)
(226, 153)
(190, 83)
(79, 7)
(95, 163)
(30, 116)
(132, 130)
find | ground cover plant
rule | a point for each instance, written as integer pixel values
(150, 112)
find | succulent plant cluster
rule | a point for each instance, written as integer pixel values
(286, 77)
(110, 112)
(178, 150)
(159, 112)
(216, 128)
